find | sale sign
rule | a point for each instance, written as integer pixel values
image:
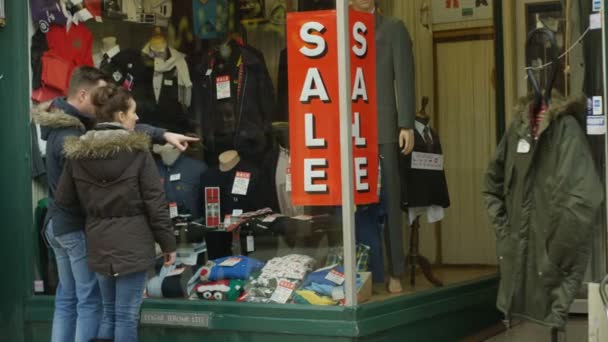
(314, 112)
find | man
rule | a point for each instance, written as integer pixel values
(77, 301)
(396, 115)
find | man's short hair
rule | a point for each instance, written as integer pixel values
(85, 77)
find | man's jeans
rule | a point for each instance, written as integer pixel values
(122, 298)
(77, 301)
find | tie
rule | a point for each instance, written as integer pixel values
(105, 61)
(428, 139)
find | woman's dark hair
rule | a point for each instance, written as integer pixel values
(109, 100)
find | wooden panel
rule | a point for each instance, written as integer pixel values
(466, 122)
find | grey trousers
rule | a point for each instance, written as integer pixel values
(393, 227)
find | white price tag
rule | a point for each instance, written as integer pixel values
(523, 146)
(237, 212)
(597, 5)
(38, 286)
(596, 125)
(595, 21)
(241, 183)
(175, 177)
(288, 180)
(283, 292)
(270, 218)
(176, 271)
(337, 293)
(335, 277)
(598, 105)
(169, 83)
(250, 244)
(173, 210)
(208, 72)
(222, 84)
(427, 161)
(230, 262)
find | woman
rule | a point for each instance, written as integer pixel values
(111, 175)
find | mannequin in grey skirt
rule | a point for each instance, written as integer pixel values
(396, 115)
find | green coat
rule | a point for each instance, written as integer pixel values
(543, 204)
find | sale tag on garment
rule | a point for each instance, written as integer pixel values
(173, 213)
(241, 183)
(283, 292)
(222, 84)
(175, 177)
(250, 244)
(230, 262)
(335, 277)
(523, 146)
(427, 161)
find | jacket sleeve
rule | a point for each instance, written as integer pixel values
(66, 195)
(155, 133)
(493, 190)
(156, 206)
(403, 59)
(576, 199)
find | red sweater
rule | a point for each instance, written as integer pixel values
(76, 45)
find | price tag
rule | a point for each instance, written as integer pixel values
(250, 244)
(169, 83)
(270, 218)
(241, 183)
(283, 292)
(173, 210)
(523, 146)
(222, 84)
(237, 212)
(175, 177)
(335, 277)
(427, 161)
(598, 105)
(230, 262)
(337, 293)
(38, 286)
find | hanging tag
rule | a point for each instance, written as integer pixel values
(175, 177)
(523, 146)
(598, 105)
(173, 213)
(168, 83)
(241, 183)
(250, 244)
(597, 5)
(283, 292)
(230, 262)
(288, 180)
(595, 21)
(335, 277)
(427, 161)
(237, 212)
(208, 72)
(223, 87)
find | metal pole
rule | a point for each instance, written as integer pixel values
(346, 153)
(605, 74)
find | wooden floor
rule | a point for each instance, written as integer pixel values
(449, 275)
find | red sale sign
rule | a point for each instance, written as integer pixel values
(314, 112)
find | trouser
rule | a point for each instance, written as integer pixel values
(368, 231)
(77, 301)
(122, 298)
(393, 228)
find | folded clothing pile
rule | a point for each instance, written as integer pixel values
(224, 278)
(279, 279)
(169, 282)
(324, 286)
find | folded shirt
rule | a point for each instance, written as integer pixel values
(234, 267)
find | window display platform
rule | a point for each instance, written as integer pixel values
(459, 310)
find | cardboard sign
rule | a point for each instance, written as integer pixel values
(315, 112)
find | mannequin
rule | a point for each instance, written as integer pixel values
(181, 178)
(165, 91)
(228, 160)
(395, 114)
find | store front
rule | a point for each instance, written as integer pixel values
(406, 252)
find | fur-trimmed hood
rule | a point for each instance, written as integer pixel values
(105, 143)
(560, 107)
(46, 115)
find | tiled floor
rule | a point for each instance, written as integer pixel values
(529, 332)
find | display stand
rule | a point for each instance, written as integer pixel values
(414, 258)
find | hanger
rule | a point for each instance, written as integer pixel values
(540, 97)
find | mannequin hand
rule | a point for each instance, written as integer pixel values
(169, 258)
(406, 140)
(180, 141)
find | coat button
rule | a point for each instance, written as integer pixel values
(540, 274)
(500, 257)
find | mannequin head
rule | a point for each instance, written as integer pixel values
(168, 153)
(363, 5)
(228, 160)
(158, 41)
(108, 43)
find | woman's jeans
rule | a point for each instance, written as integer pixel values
(122, 297)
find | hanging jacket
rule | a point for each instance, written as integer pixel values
(423, 188)
(182, 183)
(543, 197)
(254, 106)
(110, 172)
